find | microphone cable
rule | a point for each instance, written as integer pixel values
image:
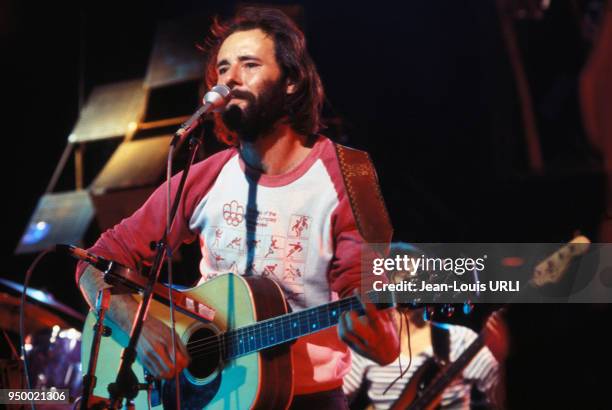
(26, 283)
(403, 317)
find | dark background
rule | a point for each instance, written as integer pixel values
(426, 87)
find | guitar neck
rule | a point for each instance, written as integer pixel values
(282, 329)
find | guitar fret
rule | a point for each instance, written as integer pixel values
(295, 327)
(247, 340)
(271, 334)
(328, 317)
(238, 342)
(243, 342)
(259, 338)
(252, 341)
(263, 335)
(287, 335)
(314, 325)
(303, 323)
(244, 345)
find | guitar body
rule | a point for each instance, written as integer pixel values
(261, 379)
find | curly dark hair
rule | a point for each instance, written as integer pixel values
(305, 104)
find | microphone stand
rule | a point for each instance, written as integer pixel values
(89, 380)
(126, 385)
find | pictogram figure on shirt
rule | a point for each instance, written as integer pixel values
(292, 273)
(235, 243)
(218, 258)
(295, 249)
(218, 235)
(299, 226)
(274, 246)
(269, 270)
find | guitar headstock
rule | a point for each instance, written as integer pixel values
(552, 269)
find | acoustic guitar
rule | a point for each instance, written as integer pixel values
(236, 330)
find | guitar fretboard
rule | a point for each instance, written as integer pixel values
(274, 331)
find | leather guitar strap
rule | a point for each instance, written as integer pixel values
(364, 195)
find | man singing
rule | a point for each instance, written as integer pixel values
(273, 204)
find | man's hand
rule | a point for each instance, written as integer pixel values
(373, 336)
(154, 350)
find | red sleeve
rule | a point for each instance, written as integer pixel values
(129, 242)
(345, 270)
(350, 248)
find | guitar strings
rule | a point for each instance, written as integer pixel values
(204, 346)
(209, 344)
(342, 304)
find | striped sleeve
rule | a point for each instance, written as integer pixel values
(355, 378)
(483, 370)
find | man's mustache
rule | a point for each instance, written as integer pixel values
(243, 95)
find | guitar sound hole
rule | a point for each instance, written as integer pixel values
(203, 348)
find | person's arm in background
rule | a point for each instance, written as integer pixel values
(497, 339)
(355, 379)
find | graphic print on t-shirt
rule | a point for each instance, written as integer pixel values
(293, 272)
(296, 250)
(299, 226)
(276, 246)
(235, 243)
(217, 258)
(218, 236)
(279, 257)
(233, 213)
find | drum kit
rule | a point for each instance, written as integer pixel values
(52, 345)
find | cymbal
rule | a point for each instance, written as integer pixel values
(36, 317)
(44, 298)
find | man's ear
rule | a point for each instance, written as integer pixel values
(291, 87)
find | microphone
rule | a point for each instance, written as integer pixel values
(214, 100)
(97, 262)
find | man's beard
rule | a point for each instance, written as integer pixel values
(260, 113)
